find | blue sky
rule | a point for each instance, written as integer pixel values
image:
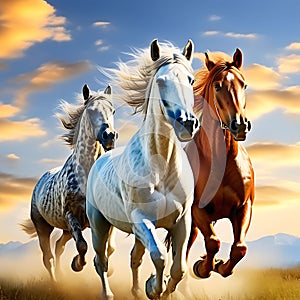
(49, 50)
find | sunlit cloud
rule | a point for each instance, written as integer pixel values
(15, 189)
(46, 76)
(20, 130)
(265, 101)
(13, 156)
(7, 110)
(274, 195)
(289, 64)
(24, 23)
(293, 46)
(101, 24)
(276, 154)
(260, 77)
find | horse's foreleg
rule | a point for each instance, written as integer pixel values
(81, 245)
(240, 223)
(100, 228)
(60, 247)
(137, 253)
(180, 237)
(145, 231)
(202, 268)
(192, 238)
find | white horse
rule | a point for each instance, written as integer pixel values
(148, 184)
(58, 199)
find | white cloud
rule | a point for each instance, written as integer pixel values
(214, 18)
(241, 35)
(101, 24)
(210, 33)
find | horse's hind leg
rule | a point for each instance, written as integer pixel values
(240, 223)
(44, 230)
(81, 245)
(100, 228)
(137, 253)
(59, 249)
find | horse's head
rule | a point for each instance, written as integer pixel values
(228, 89)
(174, 80)
(100, 112)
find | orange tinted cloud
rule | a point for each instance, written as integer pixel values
(45, 76)
(274, 195)
(14, 190)
(7, 110)
(260, 77)
(265, 101)
(20, 130)
(24, 23)
(289, 64)
(295, 46)
(275, 154)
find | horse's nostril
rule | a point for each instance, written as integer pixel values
(248, 125)
(233, 125)
(105, 135)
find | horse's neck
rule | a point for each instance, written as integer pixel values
(159, 139)
(86, 151)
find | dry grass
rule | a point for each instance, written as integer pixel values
(275, 284)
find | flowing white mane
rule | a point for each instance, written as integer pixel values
(135, 76)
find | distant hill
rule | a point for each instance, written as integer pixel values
(274, 251)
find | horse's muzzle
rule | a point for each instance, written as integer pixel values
(186, 129)
(107, 137)
(240, 129)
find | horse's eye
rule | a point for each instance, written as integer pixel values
(217, 87)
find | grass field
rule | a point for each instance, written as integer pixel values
(275, 284)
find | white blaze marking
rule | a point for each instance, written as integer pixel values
(229, 76)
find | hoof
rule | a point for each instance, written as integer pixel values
(150, 287)
(219, 266)
(76, 265)
(196, 271)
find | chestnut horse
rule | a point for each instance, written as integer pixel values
(224, 177)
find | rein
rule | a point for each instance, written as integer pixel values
(222, 124)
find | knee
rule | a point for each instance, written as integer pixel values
(158, 258)
(212, 244)
(239, 250)
(179, 273)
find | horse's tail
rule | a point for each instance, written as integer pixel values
(29, 228)
(168, 241)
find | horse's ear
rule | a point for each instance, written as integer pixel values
(209, 64)
(188, 50)
(237, 58)
(154, 50)
(108, 90)
(86, 92)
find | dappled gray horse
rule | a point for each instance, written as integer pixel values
(58, 198)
